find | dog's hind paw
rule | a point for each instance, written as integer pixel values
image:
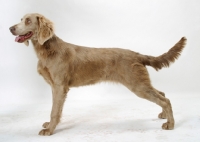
(45, 125)
(45, 132)
(162, 115)
(168, 126)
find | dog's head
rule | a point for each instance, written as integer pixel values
(33, 26)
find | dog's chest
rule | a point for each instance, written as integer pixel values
(46, 57)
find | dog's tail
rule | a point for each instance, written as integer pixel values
(165, 59)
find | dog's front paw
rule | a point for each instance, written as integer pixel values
(168, 126)
(45, 125)
(45, 132)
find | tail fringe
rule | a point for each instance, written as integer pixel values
(165, 59)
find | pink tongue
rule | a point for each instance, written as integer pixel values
(19, 38)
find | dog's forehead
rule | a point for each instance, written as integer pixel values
(30, 16)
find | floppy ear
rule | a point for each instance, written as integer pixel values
(26, 42)
(45, 29)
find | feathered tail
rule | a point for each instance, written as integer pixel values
(165, 59)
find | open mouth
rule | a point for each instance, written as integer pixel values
(22, 38)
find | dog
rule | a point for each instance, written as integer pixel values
(64, 65)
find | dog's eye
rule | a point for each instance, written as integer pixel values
(28, 21)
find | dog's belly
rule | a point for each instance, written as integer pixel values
(86, 77)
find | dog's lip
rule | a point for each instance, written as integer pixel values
(22, 38)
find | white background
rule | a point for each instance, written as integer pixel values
(148, 27)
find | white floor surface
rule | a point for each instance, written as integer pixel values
(107, 119)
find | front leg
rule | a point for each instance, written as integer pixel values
(59, 95)
(45, 73)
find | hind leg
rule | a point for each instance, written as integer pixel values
(142, 87)
(162, 115)
(150, 94)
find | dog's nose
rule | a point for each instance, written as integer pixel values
(12, 29)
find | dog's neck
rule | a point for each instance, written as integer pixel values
(47, 49)
(54, 47)
(47, 44)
